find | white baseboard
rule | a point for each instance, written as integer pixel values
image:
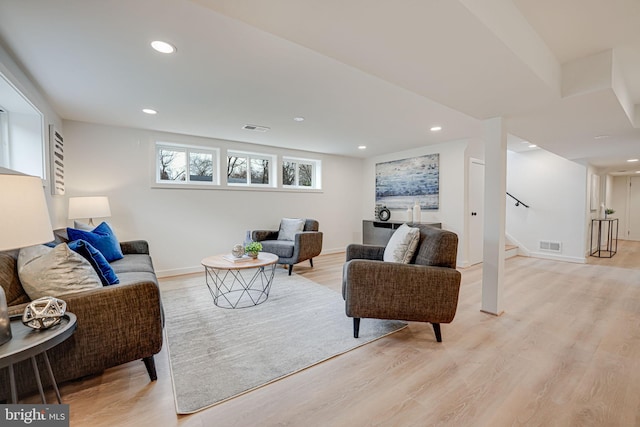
(179, 271)
(577, 260)
(200, 269)
(332, 251)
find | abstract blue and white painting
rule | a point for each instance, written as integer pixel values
(401, 183)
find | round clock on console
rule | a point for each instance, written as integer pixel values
(384, 214)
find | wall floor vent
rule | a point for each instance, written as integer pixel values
(255, 128)
(550, 246)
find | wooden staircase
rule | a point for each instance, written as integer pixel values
(510, 251)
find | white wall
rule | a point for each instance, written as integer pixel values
(452, 188)
(184, 225)
(556, 191)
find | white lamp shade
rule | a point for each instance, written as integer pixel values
(89, 207)
(24, 216)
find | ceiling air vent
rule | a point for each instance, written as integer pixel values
(550, 246)
(255, 128)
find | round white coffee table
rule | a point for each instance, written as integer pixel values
(239, 284)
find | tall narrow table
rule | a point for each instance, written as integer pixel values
(607, 238)
(27, 343)
(235, 284)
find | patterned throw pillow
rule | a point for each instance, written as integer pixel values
(402, 245)
(46, 271)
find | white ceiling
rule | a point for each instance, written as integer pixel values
(378, 74)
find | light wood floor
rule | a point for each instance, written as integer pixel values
(566, 352)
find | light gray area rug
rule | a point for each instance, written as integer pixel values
(217, 353)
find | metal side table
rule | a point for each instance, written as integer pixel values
(607, 237)
(27, 343)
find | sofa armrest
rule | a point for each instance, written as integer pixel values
(260, 235)
(116, 323)
(389, 290)
(135, 247)
(357, 251)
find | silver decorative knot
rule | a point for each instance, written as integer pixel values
(237, 251)
(44, 312)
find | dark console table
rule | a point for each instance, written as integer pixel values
(379, 232)
(607, 237)
(27, 343)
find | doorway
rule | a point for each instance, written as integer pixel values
(476, 211)
(634, 208)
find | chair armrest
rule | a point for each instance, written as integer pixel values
(356, 251)
(307, 244)
(135, 247)
(260, 235)
(390, 290)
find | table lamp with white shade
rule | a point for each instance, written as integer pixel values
(89, 207)
(24, 221)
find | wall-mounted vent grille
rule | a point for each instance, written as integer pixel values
(550, 246)
(255, 128)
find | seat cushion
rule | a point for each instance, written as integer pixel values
(137, 277)
(133, 263)
(282, 248)
(402, 244)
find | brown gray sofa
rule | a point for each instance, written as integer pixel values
(116, 324)
(425, 290)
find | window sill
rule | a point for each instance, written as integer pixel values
(232, 187)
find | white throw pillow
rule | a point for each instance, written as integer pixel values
(402, 244)
(289, 227)
(46, 271)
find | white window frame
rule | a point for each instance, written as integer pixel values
(188, 149)
(249, 156)
(316, 183)
(4, 138)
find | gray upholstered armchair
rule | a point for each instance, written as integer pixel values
(424, 290)
(290, 244)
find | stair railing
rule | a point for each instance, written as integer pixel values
(518, 202)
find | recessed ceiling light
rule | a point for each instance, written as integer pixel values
(362, 147)
(602, 136)
(632, 160)
(436, 128)
(637, 171)
(163, 47)
(532, 146)
(149, 111)
(298, 119)
(526, 142)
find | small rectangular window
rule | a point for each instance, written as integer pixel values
(300, 173)
(249, 169)
(185, 164)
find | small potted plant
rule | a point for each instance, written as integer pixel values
(253, 248)
(608, 212)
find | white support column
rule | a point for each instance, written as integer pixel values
(495, 187)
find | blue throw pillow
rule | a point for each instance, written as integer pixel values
(97, 260)
(101, 238)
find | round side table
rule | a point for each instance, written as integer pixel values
(27, 343)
